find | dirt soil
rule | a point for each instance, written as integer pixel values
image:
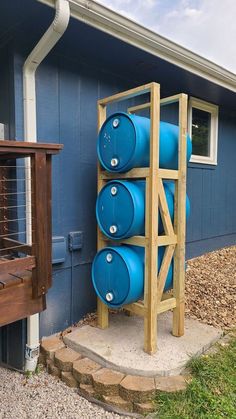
(211, 288)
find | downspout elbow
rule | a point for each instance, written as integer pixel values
(50, 37)
(62, 16)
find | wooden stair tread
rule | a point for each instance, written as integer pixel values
(16, 297)
(10, 280)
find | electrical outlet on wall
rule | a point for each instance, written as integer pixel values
(75, 240)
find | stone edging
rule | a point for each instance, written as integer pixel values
(124, 393)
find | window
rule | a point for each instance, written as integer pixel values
(203, 130)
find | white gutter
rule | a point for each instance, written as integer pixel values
(41, 50)
(106, 20)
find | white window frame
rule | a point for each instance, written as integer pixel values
(214, 111)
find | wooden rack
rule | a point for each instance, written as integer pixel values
(155, 300)
(25, 269)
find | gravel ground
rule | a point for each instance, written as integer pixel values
(45, 397)
(210, 297)
(211, 288)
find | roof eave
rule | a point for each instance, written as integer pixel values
(106, 20)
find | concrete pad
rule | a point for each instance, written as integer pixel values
(120, 347)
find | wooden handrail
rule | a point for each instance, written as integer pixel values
(25, 147)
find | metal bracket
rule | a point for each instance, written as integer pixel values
(31, 352)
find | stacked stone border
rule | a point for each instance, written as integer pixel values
(128, 393)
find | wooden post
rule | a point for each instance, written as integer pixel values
(49, 216)
(41, 234)
(151, 256)
(102, 309)
(180, 222)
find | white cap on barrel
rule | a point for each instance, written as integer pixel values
(114, 162)
(109, 297)
(115, 122)
(109, 257)
(113, 229)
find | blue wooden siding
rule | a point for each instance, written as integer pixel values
(66, 112)
(212, 222)
(67, 92)
(69, 82)
(7, 115)
(13, 336)
(212, 193)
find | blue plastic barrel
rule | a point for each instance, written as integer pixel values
(123, 143)
(171, 186)
(120, 208)
(118, 274)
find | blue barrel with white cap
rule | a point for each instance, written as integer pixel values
(118, 274)
(120, 208)
(124, 139)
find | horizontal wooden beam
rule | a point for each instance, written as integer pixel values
(137, 91)
(136, 308)
(141, 172)
(142, 240)
(140, 310)
(168, 174)
(171, 99)
(135, 241)
(136, 108)
(166, 240)
(25, 147)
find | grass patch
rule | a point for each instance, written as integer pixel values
(211, 393)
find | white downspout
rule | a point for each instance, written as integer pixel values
(41, 50)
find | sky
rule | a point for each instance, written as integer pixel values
(206, 27)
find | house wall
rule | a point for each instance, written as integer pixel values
(67, 93)
(68, 85)
(211, 189)
(212, 221)
(7, 90)
(13, 336)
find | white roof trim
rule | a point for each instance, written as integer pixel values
(106, 20)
